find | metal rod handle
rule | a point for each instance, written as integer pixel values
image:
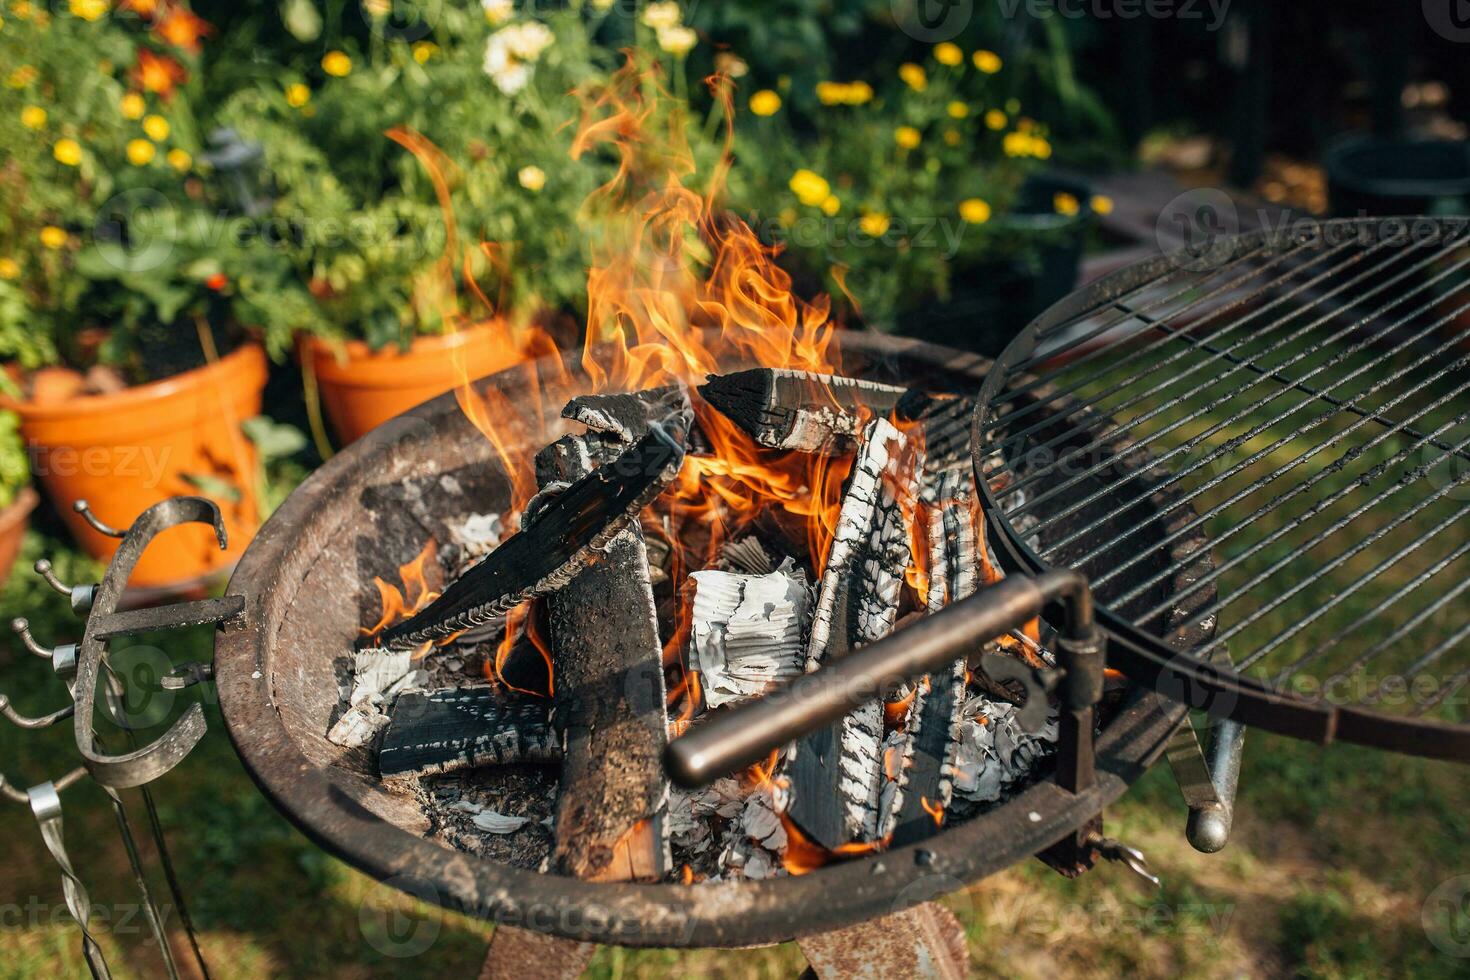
(745, 736)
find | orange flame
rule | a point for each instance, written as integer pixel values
(935, 810)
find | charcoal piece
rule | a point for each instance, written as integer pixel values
(836, 774)
(566, 536)
(951, 515)
(625, 416)
(927, 780)
(746, 632)
(799, 410)
(612, 807)
(458, 728)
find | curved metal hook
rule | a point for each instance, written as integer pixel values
(98, 525)
(44, 721)
(158, 757)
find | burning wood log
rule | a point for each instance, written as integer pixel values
(836, 774)
(799, 410)
(926, 783)
(746, 635)
(563, 537)
(456, 728)
(626, 416)
(612, 807)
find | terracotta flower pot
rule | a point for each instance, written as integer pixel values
(362, 389)
(13, 523)
(125, 452)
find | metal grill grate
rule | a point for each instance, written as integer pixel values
(1304, 399)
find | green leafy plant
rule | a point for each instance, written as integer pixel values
(15, 470)
(110, 214)
(887, 188)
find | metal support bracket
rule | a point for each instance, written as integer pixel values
(153, 760)
(1208, 780)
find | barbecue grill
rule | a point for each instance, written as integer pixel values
(1207, 453)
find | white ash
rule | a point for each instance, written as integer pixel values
(378, 676)
(476, 535)
(746, 555)
(747, 630)
(755, 840)
(691, 813)
(357, 726)
(995, 752)
(498, 823)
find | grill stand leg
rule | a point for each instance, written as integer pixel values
(1209, 824)
(924, 941)
(515, 954)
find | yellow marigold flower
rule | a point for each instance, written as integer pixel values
(53, 237)
(765, 102)
(1040, 148)
(140, 152)
(831, 205)
(297, 95)
(33, 117)
(68, 152)
(829, 93)
(957, 110)
(336, 63)
(133, 106)
(1064, 203)
(787, 217)
(913, 76)
(987, 61)
(9, 269)
(948, 54)
(179, 159)
(1102, 204)
(952, 137)
(157, 128)
(22, 76)
(88, 10)
(857, 93)
(974, 211)
(1016, 145)
(424, 50)
(907, 137)
(874, 224)
(532, 178)
(810, 188)
(995, 119)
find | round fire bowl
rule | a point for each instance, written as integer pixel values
(307, 579)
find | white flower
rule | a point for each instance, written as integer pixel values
(677, 41)
(663, 15)
(510, 52)
(528, 40)
(532, 178)
(498, 11)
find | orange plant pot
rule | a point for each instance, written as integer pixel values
(362, 388)
(125, 452)
(13, 523)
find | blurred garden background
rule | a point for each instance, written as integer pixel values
(281, 223)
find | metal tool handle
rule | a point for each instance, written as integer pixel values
(742, 737)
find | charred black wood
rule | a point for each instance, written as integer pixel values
(566, 536)
(458, 728)
(612, 808)
(836, 774)
(626, 416)
(799, 410)
(927, 779)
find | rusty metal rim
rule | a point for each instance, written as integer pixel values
(326, 805)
